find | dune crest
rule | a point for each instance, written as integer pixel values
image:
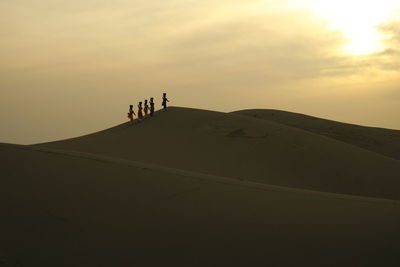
(247, 148)
(378, 140)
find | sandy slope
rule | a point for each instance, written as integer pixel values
(383, 141)
(77, 209)
(247, 148)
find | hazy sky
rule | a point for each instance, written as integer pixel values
(73, 67)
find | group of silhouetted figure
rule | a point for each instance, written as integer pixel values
(147, 109)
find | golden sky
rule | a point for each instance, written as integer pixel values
(73, 67)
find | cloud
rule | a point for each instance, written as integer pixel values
(389, 59)
(252, 41)
(269, 47)
(392, 30)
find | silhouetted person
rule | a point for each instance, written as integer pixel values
(164, 101)
(131, 113)
(140, 111)
(146, 108)
(151, 106)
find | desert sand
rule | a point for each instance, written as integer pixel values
(379, 140)
(193, 187)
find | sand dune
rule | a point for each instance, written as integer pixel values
(379, 140)
(77, 209)
(201, 188)
(246, 148)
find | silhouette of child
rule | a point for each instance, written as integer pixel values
(151, 106)
(146, 108)
(164, 101)
(140, 113)
(131, 113)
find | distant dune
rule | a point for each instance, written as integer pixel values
(202, 188)
(379, 140)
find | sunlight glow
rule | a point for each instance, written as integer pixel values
(357, 20)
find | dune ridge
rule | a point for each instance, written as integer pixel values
(247, 148)
(379, 140)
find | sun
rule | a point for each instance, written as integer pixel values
(357, 20)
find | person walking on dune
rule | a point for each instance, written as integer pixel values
(140, 111)
(164, 101)
(131, 113)
(151, 106)
(146, 108)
